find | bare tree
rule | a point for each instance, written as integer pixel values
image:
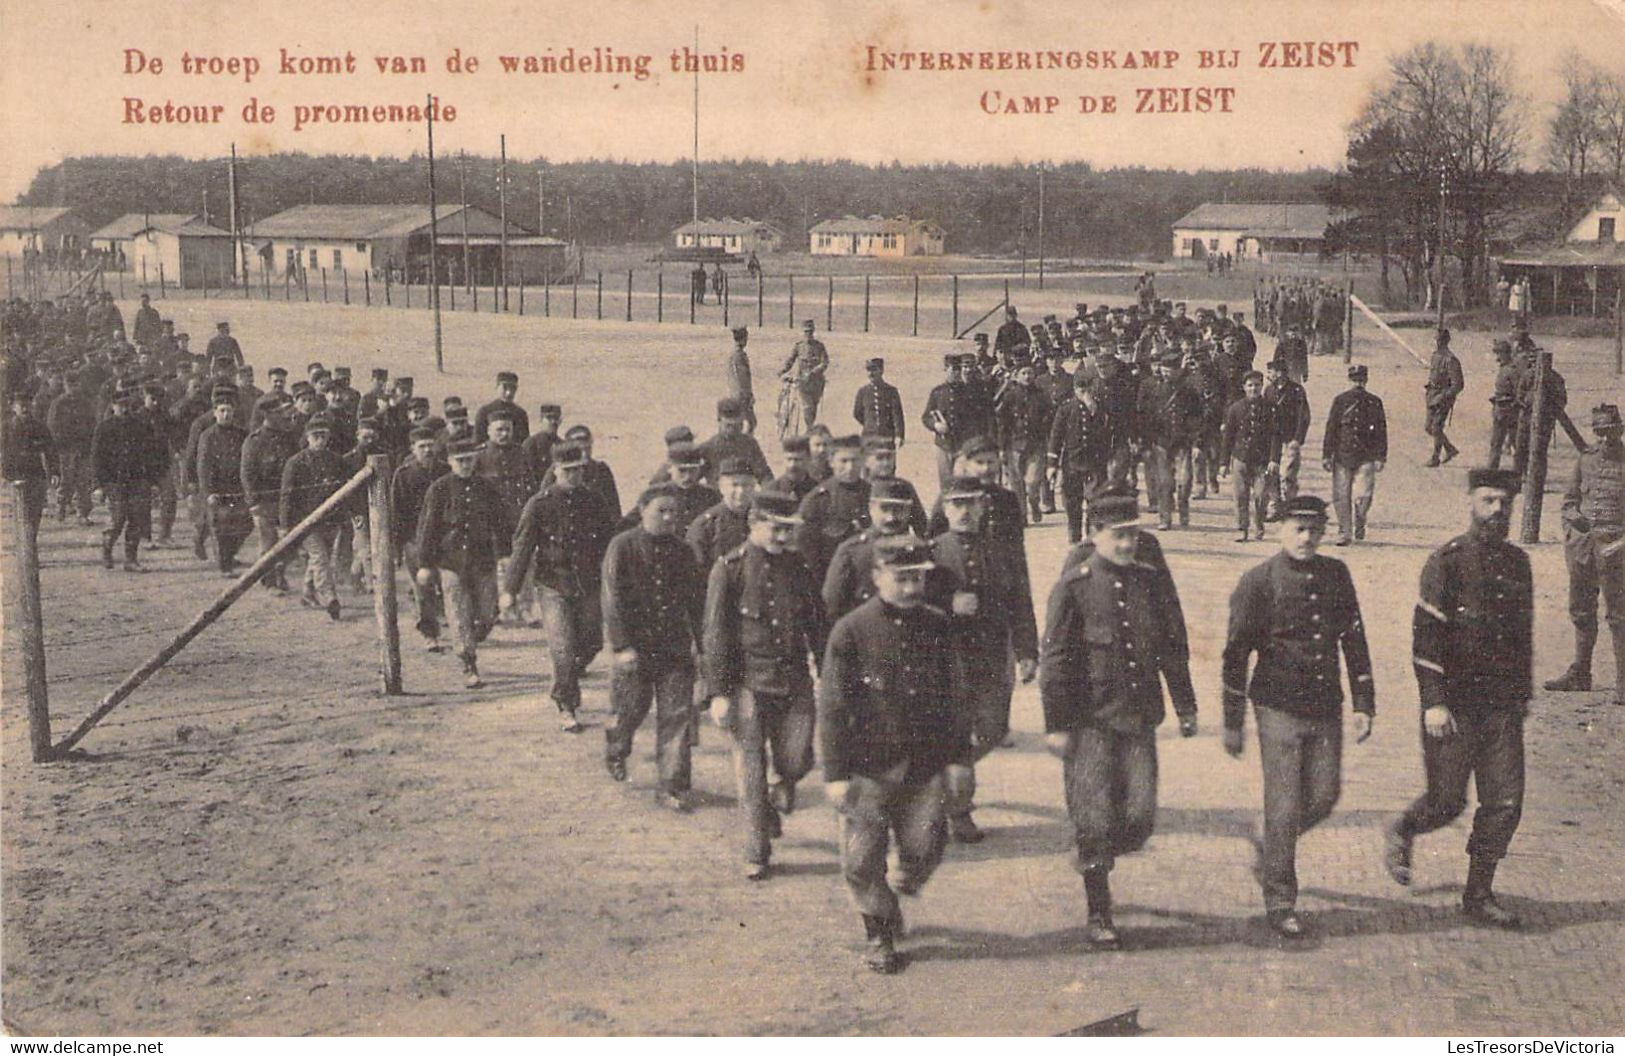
(1575, 133)
(1611, 123)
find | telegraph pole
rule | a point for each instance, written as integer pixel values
(236, 235)
(1040, 225)
(462, 191)
(696, 135)
(434, 257)
(502, 211)
(1438, 281)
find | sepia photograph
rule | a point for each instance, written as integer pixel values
(920, 519)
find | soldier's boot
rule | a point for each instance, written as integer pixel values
(1097, 892)
(1478, 901)
(781, 796)
(132, 562)
(200, 546)
(963, 829)
(1433, 459)
(1396, 851)
(1360, 509)
(471, 679)
(107, 550)
(1450, 450)
(881, 953)
(1577, 679)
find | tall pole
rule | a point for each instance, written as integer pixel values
(1438, 280)
(696, 172)
(541, 199)
(24, 570)
(502, 212)
(434, 256)
(236, 236)
(462, 192)
(1040, 225)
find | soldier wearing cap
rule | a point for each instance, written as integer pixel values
(737, 375)
(803, 379)
(71, 420)
(764, 622)
(223, 346)
(955, 412)
(504, 463)
(373, 400)
(1354, 449)
(146, 326)
(408, 489)
(1444, 384)
(797, 478)
(731, 441)
(458, 427)
(1119, 391)
(653, 599)
(30, 457)
(354, 557)
(1077, 452)
(1293, 350)
(220, 480)
(1012, 338)
(265, 451)
(538, 446)
(1472, 648)
(1292, 415)
(1114, 631)
(196, 500)
(596, 475)
(878, 408)
(819, 442)
(308, 479)
(849, 582)
(1249, 449)
(1022, 416)
(507, 389)
(694, 495)
(565, 530)
(836, 509)
(724, 526)
(888, 733)
(1295, 611)
(880, 463)
(985, 591)
(1169, 413)
(677, 434)
(1594, 549)
(1503, 402)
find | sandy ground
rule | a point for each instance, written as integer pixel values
(259, 842)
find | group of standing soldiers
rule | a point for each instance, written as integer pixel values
(1307, 308)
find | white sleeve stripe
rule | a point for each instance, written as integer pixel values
(1429, 664)
(1431, 611)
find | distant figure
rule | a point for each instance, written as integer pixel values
(697, 284)
(718, 281)
(802, 380)
(753, 265)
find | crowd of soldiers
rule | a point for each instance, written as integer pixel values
(1307, 310)
(822, 615)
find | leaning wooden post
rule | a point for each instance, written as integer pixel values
(24, 571)
(266, 562)
(1534, 478)
(1348, 323)
(383, 565)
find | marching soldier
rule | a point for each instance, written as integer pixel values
(1170, 417)
(463, 529)
(880, 463)
(373, 401)
(407, 492)
(653, 596)
(265, 451)
(1077, 452)
(538, 446)
(30, 457)
(1250, 448)
(220, 479)
(1594, 549)
(1114, 628)
(995, 637)
(764, 621)
(725, 526)
(731, 441)
(223, 345)
(1295, 611)
(1292, 415)
(951, 414)
(127, 465)
(308, 478)
(1012, 338)
(835, 510)
(1354, 450)
(1444, 384)
(694, 495)
(737, 372)
(507, 389)
(596, 474)
(565, 530)
(1022, 416)
(889, 740)
(850, 580)
(1472, 650)
(878, 408)
(1503, 402)
(71, 420)
(504, 463)
(797, 478)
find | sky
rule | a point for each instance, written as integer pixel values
(804, 90)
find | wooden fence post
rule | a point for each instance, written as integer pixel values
(866, 304)
(1534, 478)
(692, 300)
(344, 273)
(916, 306)
(629, 295)
(366, 286)
(829, 305)
(759, 316)
(955, 330)
(163, 287)
(791, 319)
(1619, 331)
(24, 571)
(383, 566)
(575, 295)
(727, 298)
(600, 295)
(324, 285)
(660, 295)
(521, 294)
(436, 289)
(406, 282)
(1348, 324)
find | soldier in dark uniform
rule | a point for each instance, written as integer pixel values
(835, 510)
(596, 474)
(694, 495)
(308, 478)
(538, 446)
(1293, 349)
(797, 477)
(1012, 338)
(220, 480)
(1295, 611)
(1077, 452)
(30, 458)
(1170, 420)
(986, 595)
(803, 379)
(1114, 628)
(732, 442)
(737, 374)
(1250, 449)
(1119, 392)
(850, 579)
(565, 530)
(71, 420)
(222, 344)
(507, 389)
(355, 557)
(248, 395)
(890, 741)
(1022, 417)
(880, 463)
(819, 441)
(464, 528)
(1503, 402)
(1594, 549)
(877, 408)
(504, 463)
(764, 621)
(373, 400)
(949, 415)
(1473, 654)
(1354, 450)
(1444, 384)
(407, 492)
(266, 450)
(127, 465)
(1292, 415)
(725, 526)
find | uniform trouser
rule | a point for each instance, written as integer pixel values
(1120, 467)
(36, 494)
(945, 465)
(361, 550)
(1283, 483)
(197, 511)
(318, 549)
(1169, 470)
(1488, 747)
(1438, 417)
(874, 811)
(987, 683)
(527, 604)
(76, 484)
(130, 507)
(471, 601)
(167, 498)
(344, 550)
(573, 625)
(1110, 782)
(1075, 485)
(425, 600)
(1247, 486)
(784, 721)
(1302, 760)
(1590, 573)
(667, 685)
(1208, 464)
(1503, 426)
(810, 399)
(265, 523)
(1352, 490)
(231, 523)
(1024, 473)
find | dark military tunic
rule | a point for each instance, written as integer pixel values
(407, 492)
(308, 478)
(976, 563)
(1356, 430)
(1077, 440)
(464, 527)
(1249, 435)
(850, 580)
(1473, 626)
(966, 409)
(763, 619)
(717, 531)
(739, 445)
(797, 484)
(1022, 419)
(878, 408)
(566, 532)
(482, 419)
(832, 512)
(508, 469)
(653, 598)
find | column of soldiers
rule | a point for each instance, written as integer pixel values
(825, 619)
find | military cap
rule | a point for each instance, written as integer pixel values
(950, 359)
(685, 453)
(977, 446)
(416, 402)
(312, 365)
(679, 434)
(1506, 480)
(578, 432)
(968, 359)
(740, 332)
(322, 376)
(1115, 511)
(220, 393)
(319, 423)
(659, 491)
(225, 361)
(776, 506)
(342, 373)
(1278, 364)
(221, 325)
(846, 443)
(277, 372)
(891, 491)
(1605, 416)
(879, 443)
(961, 488)
(1502, 345)
(1222, 309)
(380, 374)
(730, 407)
(1359, 372)
(1311, 507)
(246, 370)
(796, 445)
(270, 401)
(457, 413)
(404, 381)
(468, 447)
(500, 414)
(876, 363)
(902, 553)
(569, 455)
(371, 421)
(549, 410)
(507, 377)
(806, 324)
(1251, 375)
(730, 467)
(420, 433)
(302, 388)
(980, 338)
